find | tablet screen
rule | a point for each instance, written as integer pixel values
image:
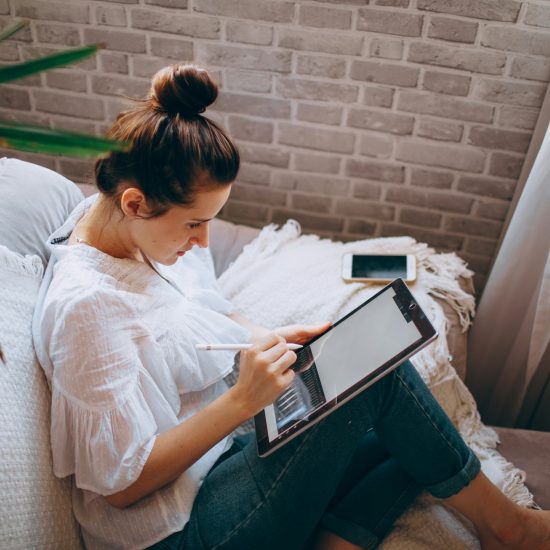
(356, 348)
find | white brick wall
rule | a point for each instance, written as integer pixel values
(358, 118)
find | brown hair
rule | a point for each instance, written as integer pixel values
(176, 151)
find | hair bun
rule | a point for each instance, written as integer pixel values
(183, 89)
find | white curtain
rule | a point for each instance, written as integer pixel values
(509, 352)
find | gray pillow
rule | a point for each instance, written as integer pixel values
(227, 240)
(34, 201)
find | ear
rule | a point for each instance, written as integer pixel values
(134, 204)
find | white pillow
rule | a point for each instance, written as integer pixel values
(35, 508)
(34, 202)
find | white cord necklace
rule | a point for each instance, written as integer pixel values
(82, 241)
(147, 261)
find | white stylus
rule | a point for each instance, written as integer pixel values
(216, 347)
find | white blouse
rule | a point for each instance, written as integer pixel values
(117, 344)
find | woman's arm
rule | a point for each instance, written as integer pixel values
(175, 450)
(264, 374)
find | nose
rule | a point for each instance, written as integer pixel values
(200, 236)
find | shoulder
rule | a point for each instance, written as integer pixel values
(84, 283)
(79, 286)
(85, 315)
(92, 342)
(93, 307)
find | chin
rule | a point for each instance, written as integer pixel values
(169, 261)
(165, 260)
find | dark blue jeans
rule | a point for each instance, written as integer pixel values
(353, 474)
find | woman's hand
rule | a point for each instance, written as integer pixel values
(264, 373)
(301, 334)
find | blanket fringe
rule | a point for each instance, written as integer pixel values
(264, 245)
(442, 274)
(30, 265)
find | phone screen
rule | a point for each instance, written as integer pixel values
(378, 267)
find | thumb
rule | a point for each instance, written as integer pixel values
(319, 328)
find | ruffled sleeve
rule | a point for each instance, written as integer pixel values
(106, 408)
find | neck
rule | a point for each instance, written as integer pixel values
(105, 228)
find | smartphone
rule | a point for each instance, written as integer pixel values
(378, 268)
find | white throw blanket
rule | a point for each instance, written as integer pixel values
(283, 277)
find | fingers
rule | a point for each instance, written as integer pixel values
(284, 362)
(272, 350)
(267, 342)
(279, 356)
(320, 328)
(287, 377)
(306, 331)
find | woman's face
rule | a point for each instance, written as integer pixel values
(167, 237)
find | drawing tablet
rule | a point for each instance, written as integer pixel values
(351, 355)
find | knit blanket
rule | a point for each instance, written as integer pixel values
(283, 277)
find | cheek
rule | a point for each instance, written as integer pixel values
(155, 233)
(169, 235)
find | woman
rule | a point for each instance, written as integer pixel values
(143, 423)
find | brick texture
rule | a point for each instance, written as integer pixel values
(383, 122)
(358, 118)
(468, 60)
(456, 157)
(446, 83)
(51, 33)
(317, 41)
(524, 41)
(452, 30)
(536, 15)
(250, 129)
(530, 69)
(430, 178)
(385, 73)
(281, 12)
(442, 130)
(389, 22)
(324, 140)
(323, 114)
(316, 16)
(388, 49)
(316, 65)
(311, 89)
(56, 11)
(237, 31)
(199, 27)
(494, 10)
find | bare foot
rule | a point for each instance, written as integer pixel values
(329, 541)
(530, 532)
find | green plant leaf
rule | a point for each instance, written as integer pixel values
(16, 27)
(45, 140)
(20, 70)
